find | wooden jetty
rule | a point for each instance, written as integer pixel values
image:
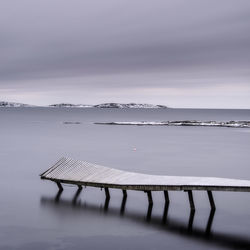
(81, 173)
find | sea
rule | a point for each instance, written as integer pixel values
(33, 215)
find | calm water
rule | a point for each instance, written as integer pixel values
(32, 217)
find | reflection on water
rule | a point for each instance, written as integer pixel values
(191, 220)
(58, 195)
(124, 199)
(210, 221)
(165, 223)
(75, 196)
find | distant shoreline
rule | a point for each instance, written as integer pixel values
(228, 124)
(102, 105)
(4, 104)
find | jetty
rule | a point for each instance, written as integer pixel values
(81, 173)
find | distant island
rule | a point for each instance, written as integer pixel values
(103, 105)
(70, 105)
(128, 105)
(15, 104)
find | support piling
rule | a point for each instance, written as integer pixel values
(191, 200)
(166, 196)
(59, 186)
(107, 193)
(124, 199)
(211, 199)
(78, 191)
(124, 191)
(150, 199)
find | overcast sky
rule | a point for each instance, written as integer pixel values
(182, 53)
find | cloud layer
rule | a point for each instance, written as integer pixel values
(87, 46)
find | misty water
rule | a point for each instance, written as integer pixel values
(33, 216)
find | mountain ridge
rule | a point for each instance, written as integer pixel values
(70, 105)
(14, 104)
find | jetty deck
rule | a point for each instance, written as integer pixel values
(81, 173)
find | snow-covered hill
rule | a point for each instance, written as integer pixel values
(14, 104)
(103, 105)
(128, 105)
(228, 124)
(70, 105)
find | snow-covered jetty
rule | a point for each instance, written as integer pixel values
(82, 173)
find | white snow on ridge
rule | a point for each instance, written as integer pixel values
(128, 105)
(229, 124)
(69, 105)
(14, 104)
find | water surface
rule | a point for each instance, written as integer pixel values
(34, 216)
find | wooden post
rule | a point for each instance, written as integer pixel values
(124, 199)
(107, 193)
(191, 200)
(78, 191)
(150, 199)
(166, 196)
(124, 191)
(211, 199)
(59, 185)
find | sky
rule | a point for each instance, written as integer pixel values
(190, 54)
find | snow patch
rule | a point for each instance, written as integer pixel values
(229, 124)
(14, 105)
(128, 105)
(69, 105)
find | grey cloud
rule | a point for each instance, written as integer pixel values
(123, 44)
(80, 37)
(165, 56)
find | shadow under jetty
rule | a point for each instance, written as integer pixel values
(164, 223)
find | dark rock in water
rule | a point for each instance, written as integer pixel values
(71, 122)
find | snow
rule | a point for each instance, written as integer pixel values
(76, 171)
(69, 105)
(230, 124)
(14, 104)
(128, 105)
